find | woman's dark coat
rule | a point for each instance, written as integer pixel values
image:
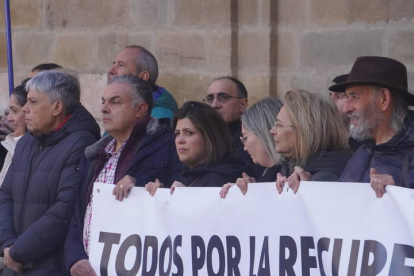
(216, 175)
(324, 166)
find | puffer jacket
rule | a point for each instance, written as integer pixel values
(386, 158)
(38, 194)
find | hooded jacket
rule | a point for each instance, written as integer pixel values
(324, 166)
(215, 175)
(386, 158)
(165, 105)
(38, 194)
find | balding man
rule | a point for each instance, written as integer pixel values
(228, 96)
(138, 61)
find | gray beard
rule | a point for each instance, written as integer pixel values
(369, 120)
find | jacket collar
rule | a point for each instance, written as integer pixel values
(153, 126)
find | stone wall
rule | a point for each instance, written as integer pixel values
(270, 45)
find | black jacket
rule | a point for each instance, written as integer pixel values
(324, 166)
(39, 191)
(216, 175)
(270, 175)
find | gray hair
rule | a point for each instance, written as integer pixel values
(259, 119)
(56, 86)
(400, 108)
(145, 61)
(141, 91)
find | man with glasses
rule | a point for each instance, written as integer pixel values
(228, 96)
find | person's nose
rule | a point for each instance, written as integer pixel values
(273, 130)
(10, 117)
(347, 108)
(25, 108)
(104, 108)
(180, 139)
(215, 104)
(112, 69)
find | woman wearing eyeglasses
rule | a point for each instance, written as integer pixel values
(311, 135)
(258, 142)
(204, 146)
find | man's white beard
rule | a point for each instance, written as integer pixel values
(368, 122)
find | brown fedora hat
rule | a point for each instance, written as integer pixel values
(378, 71)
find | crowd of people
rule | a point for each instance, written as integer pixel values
(55, 153)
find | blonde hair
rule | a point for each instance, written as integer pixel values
(317, 125)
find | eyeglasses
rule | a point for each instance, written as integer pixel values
(278, 125)
(221, 97)
(243, 139)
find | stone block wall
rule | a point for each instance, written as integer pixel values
(271, 45)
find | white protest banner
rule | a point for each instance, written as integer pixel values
(324, 229)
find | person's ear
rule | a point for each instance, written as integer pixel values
(141, 110)
(243, 105)
(144, 75)
(57, 108)
(384, 99)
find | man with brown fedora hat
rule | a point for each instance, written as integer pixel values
(377, 105)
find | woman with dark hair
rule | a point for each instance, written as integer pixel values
(16, 117)
(204, 146)
(257, 121)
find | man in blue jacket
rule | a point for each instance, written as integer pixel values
(377, 105)
(38, 194)
(137, 150)
(138, 61)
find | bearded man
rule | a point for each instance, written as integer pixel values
(377, 105)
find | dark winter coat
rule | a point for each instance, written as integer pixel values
(153, 156)
(216, 175)
(270, 175)
(39, 192)
(251, 168)
(386, 158)
(324, 166)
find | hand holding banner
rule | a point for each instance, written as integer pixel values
(326, 228)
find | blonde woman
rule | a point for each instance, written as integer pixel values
(310, 134)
